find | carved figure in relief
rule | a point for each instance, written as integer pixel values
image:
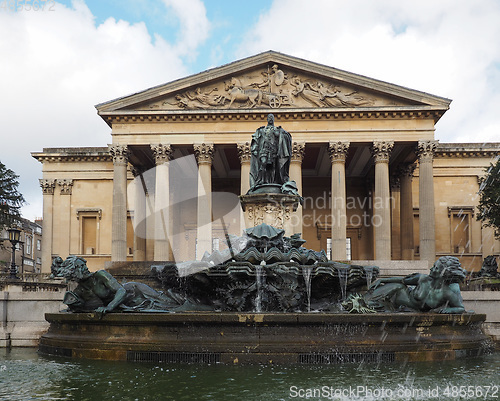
(274, 90)
(273, 80)
(236, 93)
(306, 91)
(204, 98)
(197, 99)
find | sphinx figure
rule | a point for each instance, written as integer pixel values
(437, 292)
(101, 292)
(489, 267)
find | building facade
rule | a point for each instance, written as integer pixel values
(376, 184)
(28, 255)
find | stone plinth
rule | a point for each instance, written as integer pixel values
(213, 337)
(274, 209)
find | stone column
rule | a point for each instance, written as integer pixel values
(381, 151)
(204, 155)
(162, 154)
(48, 186)
(338, 152)
(140, 192)
(298, 150)
(119, 215)
(66, 187)
(406, 216)
(395, 198)
(149, 181)
(245, 157)
(425, 152)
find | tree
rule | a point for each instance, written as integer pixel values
(10, 198)
(489, 198)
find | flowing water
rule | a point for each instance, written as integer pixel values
(306, 273)
(258, 284)
(25, 375)
(343, 274)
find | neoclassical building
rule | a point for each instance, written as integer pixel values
(376, 184)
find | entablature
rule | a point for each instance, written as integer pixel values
(410, 112)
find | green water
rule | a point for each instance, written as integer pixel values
(25, 375)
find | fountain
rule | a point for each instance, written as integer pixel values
(266, 298)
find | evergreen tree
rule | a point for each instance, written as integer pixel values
(10, 198)
(489, 197)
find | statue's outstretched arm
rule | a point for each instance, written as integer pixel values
(411, 279)
(114, 286)
(386, 280)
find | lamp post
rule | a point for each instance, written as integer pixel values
(14, 238)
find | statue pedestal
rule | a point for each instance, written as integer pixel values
(275, 209)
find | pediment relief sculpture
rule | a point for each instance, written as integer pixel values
(272, 88)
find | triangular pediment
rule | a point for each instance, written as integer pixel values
(273, 81)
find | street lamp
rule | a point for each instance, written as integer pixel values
(14, 238)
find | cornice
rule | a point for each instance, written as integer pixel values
(48, 157)
(466, 153)
(464, 150)
(390, 113)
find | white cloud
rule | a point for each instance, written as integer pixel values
(449, 48)
(57, 65)
(195, 26)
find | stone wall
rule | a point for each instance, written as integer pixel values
(22, 311)
(486, 302)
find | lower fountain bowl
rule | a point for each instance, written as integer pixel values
(213, 337)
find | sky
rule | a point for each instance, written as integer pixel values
(56, 64)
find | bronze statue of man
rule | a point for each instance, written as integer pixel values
(271, 150)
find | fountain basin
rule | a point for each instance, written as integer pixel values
(218, 337)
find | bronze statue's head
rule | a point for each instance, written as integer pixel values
(449, 268)
(73, 268)
(270, 119)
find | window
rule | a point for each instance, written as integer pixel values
(329, 248)
(416, 231)
(28, 245)
(348, 249)
(38, 245)
(130, 235)
(215, 244)
(89, 230)
(460, 228)
(89, 235)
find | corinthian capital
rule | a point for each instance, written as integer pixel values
(298, 150)
(406, 170)
(338, 151)
(66, 186)
(119, 153)
(47, 186)
(426, 149)
(244, 152)
(162, 152)
(204, 152)
(381, 150)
